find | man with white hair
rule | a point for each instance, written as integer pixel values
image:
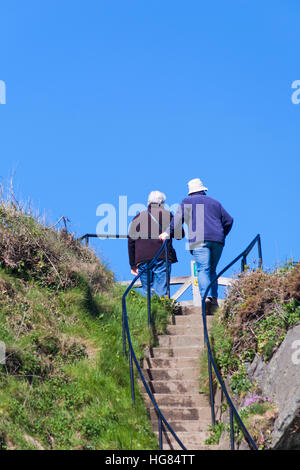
(144, 243)
(208, 225)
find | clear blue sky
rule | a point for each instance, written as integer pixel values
(120, 97)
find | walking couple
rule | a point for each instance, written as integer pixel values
(208, 225)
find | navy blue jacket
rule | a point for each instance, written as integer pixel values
(205, 217)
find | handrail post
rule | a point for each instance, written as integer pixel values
(260, 263)
(131, 377)
(211, 393)
(148, 296)
(124, 334)
(160, 433)
(210, 376)
(231, 428)
(243, 263)
(123, 325)
(168, 272)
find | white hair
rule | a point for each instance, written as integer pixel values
(156, 197)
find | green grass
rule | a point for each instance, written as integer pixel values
(66, 383)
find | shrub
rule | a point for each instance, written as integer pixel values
(259, 310)
(52, 258)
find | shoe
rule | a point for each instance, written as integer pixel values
(214, 305)
(208, 305)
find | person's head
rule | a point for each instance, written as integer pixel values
(156, 197)
(196, 186)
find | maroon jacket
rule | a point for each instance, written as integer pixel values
(143, 241)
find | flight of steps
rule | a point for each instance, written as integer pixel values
(172, 372)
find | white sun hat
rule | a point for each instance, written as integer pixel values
(196, 185)
(156, 197)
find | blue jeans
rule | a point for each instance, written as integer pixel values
(207, 256)
(158, 278)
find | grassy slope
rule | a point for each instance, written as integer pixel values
(66, 383)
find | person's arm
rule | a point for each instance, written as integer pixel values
(226, 220)
(131, 244)
(175, 226)
(131, 254)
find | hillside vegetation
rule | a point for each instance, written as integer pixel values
(259, 310)
(65, 383)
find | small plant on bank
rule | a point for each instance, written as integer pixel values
(216, 432)
(259, 414)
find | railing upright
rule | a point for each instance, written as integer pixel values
(131, 377)
(168, 272)
(148, 296)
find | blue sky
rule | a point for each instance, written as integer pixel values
(120, 97)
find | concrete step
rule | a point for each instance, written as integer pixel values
(187, 426)
(169, 363)
(191, 400)
(192, 320)
(188, 320)
(191, 441)
(173, 386)
(202, 414)
(185, 330)
(184, 373)
(190, 310)
(172, 341)
(193, 310)
(186, 352)
(172, 374)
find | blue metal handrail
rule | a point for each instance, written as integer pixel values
(211, 361)
(126, 333)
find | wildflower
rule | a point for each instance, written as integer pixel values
(254, 399)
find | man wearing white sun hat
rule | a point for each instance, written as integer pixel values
(208, 225)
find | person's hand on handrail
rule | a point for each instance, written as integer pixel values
(163, 236)
(134, 271)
